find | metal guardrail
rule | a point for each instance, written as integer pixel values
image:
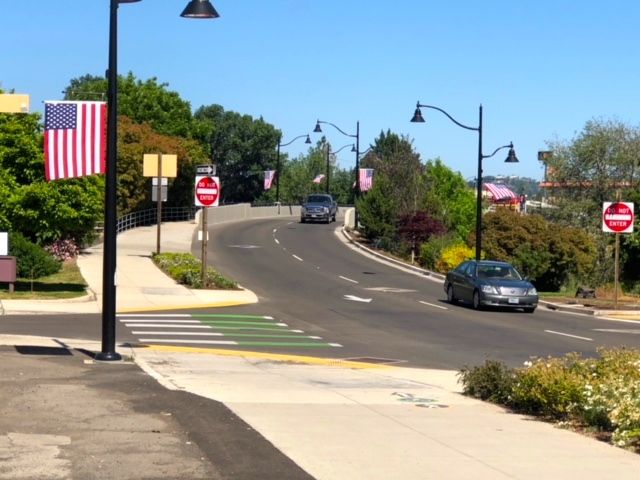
(148, 217)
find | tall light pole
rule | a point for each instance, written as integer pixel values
(329, 152)
(308, 141)
(194, 9)
(318, 129)
(511, 158)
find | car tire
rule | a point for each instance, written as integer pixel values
(302, 220)
(530, 310)
(476, 300)
(451, 298)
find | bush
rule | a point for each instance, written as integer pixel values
(186, 269)
(601, 394)
(32, 260)
(452, 256)
(492, 381)
(431, 251)
(63, 250)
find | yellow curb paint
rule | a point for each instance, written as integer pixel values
(186, 307)
(328, 362)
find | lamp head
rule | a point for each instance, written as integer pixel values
(353, 148)
(308, 140)
(417, 115)
(511, 157)
(199, 9)
(317, 129)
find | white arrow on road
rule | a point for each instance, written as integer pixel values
(357, 299)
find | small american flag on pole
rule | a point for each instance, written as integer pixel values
(74, 139)
(268, 178)
(366, 179)
(318, 178)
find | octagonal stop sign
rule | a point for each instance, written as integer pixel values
(617, 217)
(207, 191)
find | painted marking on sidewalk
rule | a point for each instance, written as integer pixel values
(569, 335)
(433, 305)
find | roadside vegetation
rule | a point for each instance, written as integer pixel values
(186, 269)
(596, 396)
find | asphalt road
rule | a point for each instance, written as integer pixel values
(307, 278)
(319, 297)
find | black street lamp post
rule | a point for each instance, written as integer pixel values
(194, 9)
(308, 140)
(318, 129)
(511, 158)
(329, 152)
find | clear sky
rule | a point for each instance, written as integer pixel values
(541, 69)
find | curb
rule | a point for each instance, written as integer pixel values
(418, 270)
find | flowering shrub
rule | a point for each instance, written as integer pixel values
(63, 250)
(601, 394)
(452, 256)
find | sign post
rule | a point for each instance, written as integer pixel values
(160, 166)
(207, 194)
(617, 217)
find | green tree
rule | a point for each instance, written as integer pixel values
(377, 212)
(142, 101)
(393, 157)
(600, 163)
(242, 147)
(448, 198)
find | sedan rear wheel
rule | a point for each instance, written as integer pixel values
(451, 298)
(476, 300)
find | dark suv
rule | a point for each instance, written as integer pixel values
(319, 206)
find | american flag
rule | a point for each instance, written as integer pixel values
(318, 178)
(268, 178)
(74, 139)
(366, 179)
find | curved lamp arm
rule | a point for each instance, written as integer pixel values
(319, 130)
(353, 148)
(511, 151)
(308, 140)
(417, 117)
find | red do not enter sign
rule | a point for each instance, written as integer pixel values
(617, 217)
(207, 191)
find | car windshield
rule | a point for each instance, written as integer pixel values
(318, 199)
(498, 272)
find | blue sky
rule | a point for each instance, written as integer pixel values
(541, 69)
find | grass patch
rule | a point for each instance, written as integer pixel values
(67, 283)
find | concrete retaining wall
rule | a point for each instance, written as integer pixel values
(244, 211)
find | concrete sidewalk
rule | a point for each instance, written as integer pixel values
(140, 285)
(337, 420)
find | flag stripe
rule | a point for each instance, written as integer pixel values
(366, 179)
(74, 139)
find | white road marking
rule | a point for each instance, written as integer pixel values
(390, 290)
(155, 320)
(614, 330)
(569, 335)
(153, 315)
(357, 299)
(208, 342)
(277, 241)
(335, 345)
(433, 305)
(297, 258)
(165, 325)
(202, 334)
(347, 279)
